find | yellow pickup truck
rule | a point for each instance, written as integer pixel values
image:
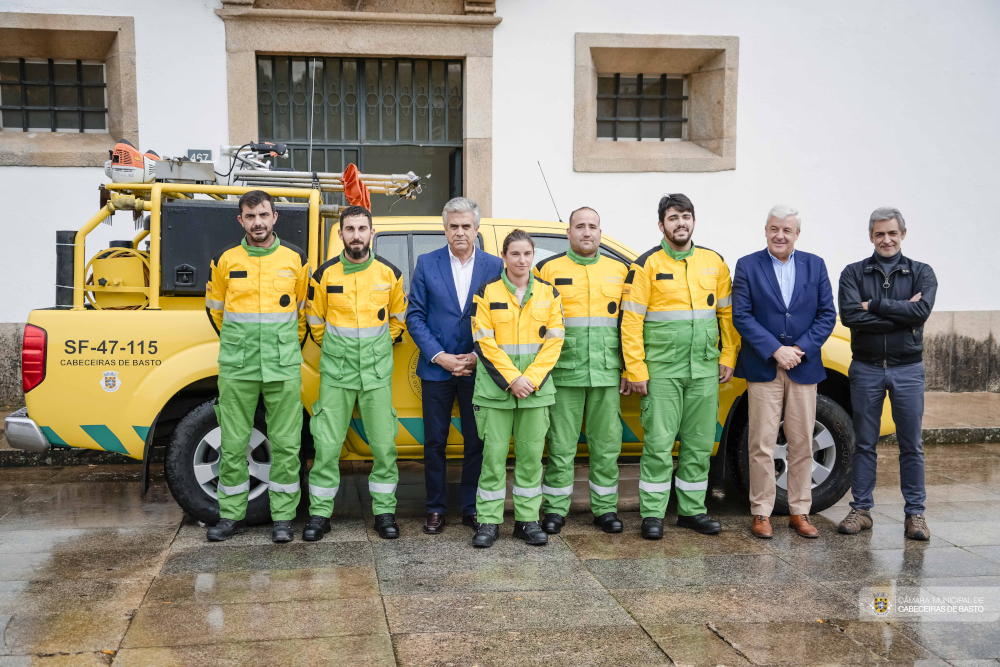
(127, 362)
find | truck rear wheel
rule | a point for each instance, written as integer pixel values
(192, 466)
(833, 448)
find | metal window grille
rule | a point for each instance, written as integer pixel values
(641, 107)
(53, 96)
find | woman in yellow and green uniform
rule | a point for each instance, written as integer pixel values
(517, 330)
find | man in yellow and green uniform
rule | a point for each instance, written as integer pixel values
(677, 299)
(357, 311)
(256, 300)
(517, 339)
(587, 376)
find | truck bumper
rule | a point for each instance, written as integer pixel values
(23, 433)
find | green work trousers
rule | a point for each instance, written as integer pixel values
(330, 419)
(237, 404)
(496, 425)
(601, 406)
(687, 409)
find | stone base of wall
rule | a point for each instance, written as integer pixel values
(11, 395)
(961, 351)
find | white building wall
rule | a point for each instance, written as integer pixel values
(181, 88)
(842, 107)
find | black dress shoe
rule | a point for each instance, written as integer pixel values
(434, 524)
(470, 521)
(225, 529)
(486, 535)
(701, 523)
(609, 523)
(317, 527)
(531, 533)
(386, 526)
(282, 532)
(652, 528)
(553, 523)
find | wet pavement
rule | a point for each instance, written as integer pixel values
(91, 574)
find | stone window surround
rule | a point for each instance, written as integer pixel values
(110, 39)
(711, 64)
(371, 34)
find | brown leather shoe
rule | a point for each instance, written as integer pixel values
(760, 526)
(916, 527)
(434, 524)
(802, 525)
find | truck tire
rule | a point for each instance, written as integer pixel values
(833, 449)
(192, 466)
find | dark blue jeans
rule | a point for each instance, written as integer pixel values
(905, 385)
(438, 400)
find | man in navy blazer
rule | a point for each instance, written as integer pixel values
(783, 310)
(437, 318)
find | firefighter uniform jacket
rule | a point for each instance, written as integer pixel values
(673, 307)
(515, 339)
(591, 292)
(256, 300)
(356, 312)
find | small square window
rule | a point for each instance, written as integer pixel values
(641, 107)
(52, 96)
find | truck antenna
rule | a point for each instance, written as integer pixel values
(550, 191)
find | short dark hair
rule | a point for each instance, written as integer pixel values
(254, 198)
(517, 235)
(583, 208)
(676, 201)
(355, 211)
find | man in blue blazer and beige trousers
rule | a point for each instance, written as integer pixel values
(438, 319)
(783, 310)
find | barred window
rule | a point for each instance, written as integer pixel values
(641, 107)
(39, 95)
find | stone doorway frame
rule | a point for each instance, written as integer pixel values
(369, 34)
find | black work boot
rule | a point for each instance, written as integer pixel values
(317, 527)
(553, 523)
(609, 523)
(282, 532)
(486, 535)
(386, 526)
(652, 528)
(531, 533)
(225, 529)
(701, 523)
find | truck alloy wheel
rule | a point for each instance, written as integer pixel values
(833, 447)
(192, 466)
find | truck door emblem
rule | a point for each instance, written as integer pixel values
(110, 381)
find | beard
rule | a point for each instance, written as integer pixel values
(678, 238)
(356, 254)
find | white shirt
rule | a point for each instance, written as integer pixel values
(462, 274)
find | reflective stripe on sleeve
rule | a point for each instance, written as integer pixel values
(591, 322)
(283, 488)
(555, 333)
(605, 490)
(400, 316)
(691, 486)
(314, 319)
(303, 305)
(214, 305)
(235, 490)
(652, 487)
(526, 348)
(680, 315)
(259, 318)
(557, 491)
(724, 301)
(527, 493)
(322, 491)
(482, 333)
(357, 332)
(376, 487)
(636, 308)
(491, 495)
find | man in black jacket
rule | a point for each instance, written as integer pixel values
(885, 301)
